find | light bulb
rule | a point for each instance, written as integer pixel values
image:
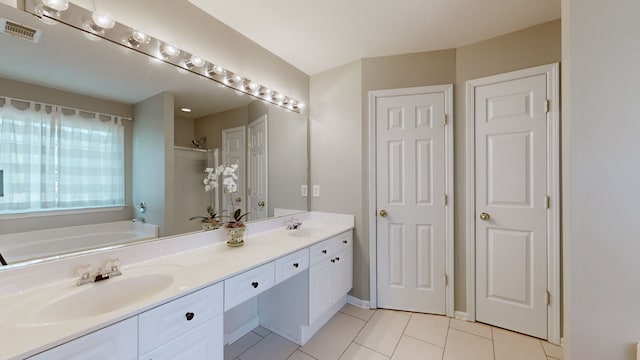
(195, 61)
(102, 20)
(56, 5)
(264, 91)
(215, 70)
(136, 38)
(168, 51)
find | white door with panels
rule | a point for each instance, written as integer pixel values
(234, 152)
(257, 172)
(411, 150)
(512, 201)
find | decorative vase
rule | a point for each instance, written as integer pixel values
(206, 225)
(235, 236)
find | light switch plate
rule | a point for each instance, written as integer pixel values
(316, 190)
(303, 190)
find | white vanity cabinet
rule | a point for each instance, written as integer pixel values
(300, 306)
(116, 342)
(190, 327)
(332, 276)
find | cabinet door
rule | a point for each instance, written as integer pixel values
(344, 272)
(203, 342)
(116, 342)
(321, 293)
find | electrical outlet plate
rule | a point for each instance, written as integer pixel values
(316, 190)
(303, 190)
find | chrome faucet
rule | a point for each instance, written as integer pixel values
(140, 219)
(110, 269)
(293, 224)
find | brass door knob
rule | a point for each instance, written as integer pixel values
(261, 203)
(484, 216)
(238, 200)
(384, 213)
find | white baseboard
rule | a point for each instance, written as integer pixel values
(460, 315)
(364, 304)
(241, 331)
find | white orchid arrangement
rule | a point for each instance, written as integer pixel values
(210, 183)
(229, 179)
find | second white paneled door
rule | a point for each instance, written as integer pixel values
(513, 191)
(411, 200)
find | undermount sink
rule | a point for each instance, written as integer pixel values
(305, 232)
(103, 297)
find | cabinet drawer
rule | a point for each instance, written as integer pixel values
(322, 251)
(248, 284)
(343, 240)
(166, 322)
(291, 264)
(203, 342)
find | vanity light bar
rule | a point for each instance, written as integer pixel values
(104, 27)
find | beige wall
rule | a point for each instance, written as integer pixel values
(333, 114)
(184, 132)
(25, 91)
(287, 154)
(603, 55)
(153, 159)
(211, 126)
(335, 125)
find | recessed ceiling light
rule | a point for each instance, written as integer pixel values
(187, 110)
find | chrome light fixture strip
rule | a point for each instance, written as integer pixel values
(80, 18)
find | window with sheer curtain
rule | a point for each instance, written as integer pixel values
(55, 158)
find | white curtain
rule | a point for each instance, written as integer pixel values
(55, 158)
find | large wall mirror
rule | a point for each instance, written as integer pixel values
(166, 149)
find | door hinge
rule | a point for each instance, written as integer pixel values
(547, 105)
(445, 199)
(547, 297)
(547, 201)
(446, 280)
(446, 119)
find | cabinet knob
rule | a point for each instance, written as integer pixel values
(337, 258)
(254, 284)
(324, 251)
(333, 260)
(295, 265)
(189, 316)
(344, 241)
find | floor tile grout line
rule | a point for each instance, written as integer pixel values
(446, 338)
(302, 351)
(401, 335)
(426, 342)
(493, 343)
(476, 335)
(355, 317)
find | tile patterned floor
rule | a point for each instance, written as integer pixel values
(361, 334)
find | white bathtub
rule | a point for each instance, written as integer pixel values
(32, 245)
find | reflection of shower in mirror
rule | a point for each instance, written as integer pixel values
(200, 143)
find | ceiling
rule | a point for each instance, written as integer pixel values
(315, 36)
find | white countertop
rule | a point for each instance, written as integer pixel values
(194, 260)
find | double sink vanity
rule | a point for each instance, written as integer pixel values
(175, 294)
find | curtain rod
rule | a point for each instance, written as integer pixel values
(32, 102)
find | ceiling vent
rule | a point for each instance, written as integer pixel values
(18, 30)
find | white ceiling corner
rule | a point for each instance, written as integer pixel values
(315, 36)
